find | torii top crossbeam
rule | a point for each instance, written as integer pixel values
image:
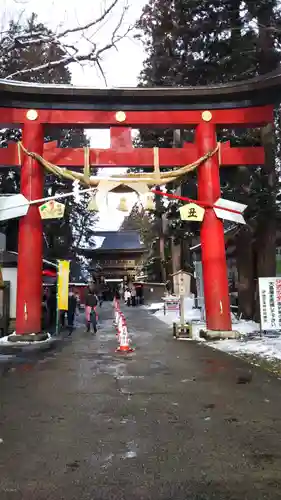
(257, 91)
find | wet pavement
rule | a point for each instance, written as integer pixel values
(173, 420)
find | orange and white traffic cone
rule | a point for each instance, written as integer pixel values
(120, 325)
(115, 303)
(116, 318)
(124, 341)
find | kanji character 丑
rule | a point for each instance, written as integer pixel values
(191, 212)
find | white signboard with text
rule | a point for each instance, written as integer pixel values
(171, 304)
(270, 303)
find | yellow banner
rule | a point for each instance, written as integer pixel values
(63, 282)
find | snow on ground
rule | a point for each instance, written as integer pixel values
(266, 346)
(244, 328)
(155, 306)
(171, 317)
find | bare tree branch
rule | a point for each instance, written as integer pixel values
(26, 40)
(91, 23)
(54, 64)
(72, 55)
(101, 72)
(94, 57)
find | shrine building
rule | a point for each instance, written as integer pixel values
(118, 257)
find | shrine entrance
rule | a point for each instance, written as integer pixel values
(32, 107)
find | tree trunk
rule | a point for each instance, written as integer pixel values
(12, 230)
(245, 268)
(266, 230)
(185, 256)
(268, 60)
(266, 248)
(176, 256)
(268, 57)
(267, 224)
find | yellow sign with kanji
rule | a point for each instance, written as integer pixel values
(192, 212)
(52, 210)
(63, 283)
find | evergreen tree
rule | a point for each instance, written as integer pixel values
(24, 57)
(200, 42)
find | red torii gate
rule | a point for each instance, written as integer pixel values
(123, 154)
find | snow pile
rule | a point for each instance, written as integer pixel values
(245, 328)
(155, 306)
(264, 347)
(169, 317)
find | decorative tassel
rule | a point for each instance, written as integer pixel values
(92, 205)
(149, 203)
(122, 207)
(157, 174)
(86, 171)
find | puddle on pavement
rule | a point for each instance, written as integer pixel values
(158, 365)
(128, 421)
(115, 369)
(215, 366)
(131, 452)
(106, 461)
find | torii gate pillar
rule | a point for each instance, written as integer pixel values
(214, 265)
(30, 243)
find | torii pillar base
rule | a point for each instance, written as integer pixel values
(220, 335)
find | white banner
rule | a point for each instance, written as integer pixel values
(270, 303)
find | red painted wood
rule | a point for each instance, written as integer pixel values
(10, 156)
(121, 138)
(215, 277)
(124, 158)
(122, 155)
(251, 116)
(241, 156)
(30, 248)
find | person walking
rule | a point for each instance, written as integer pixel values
(127, 296)
(133, 295)
(52, 308)
(100, 297)
(91, 302)
(62, 319)
(72, 306)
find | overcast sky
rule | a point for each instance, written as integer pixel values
(121, 68)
